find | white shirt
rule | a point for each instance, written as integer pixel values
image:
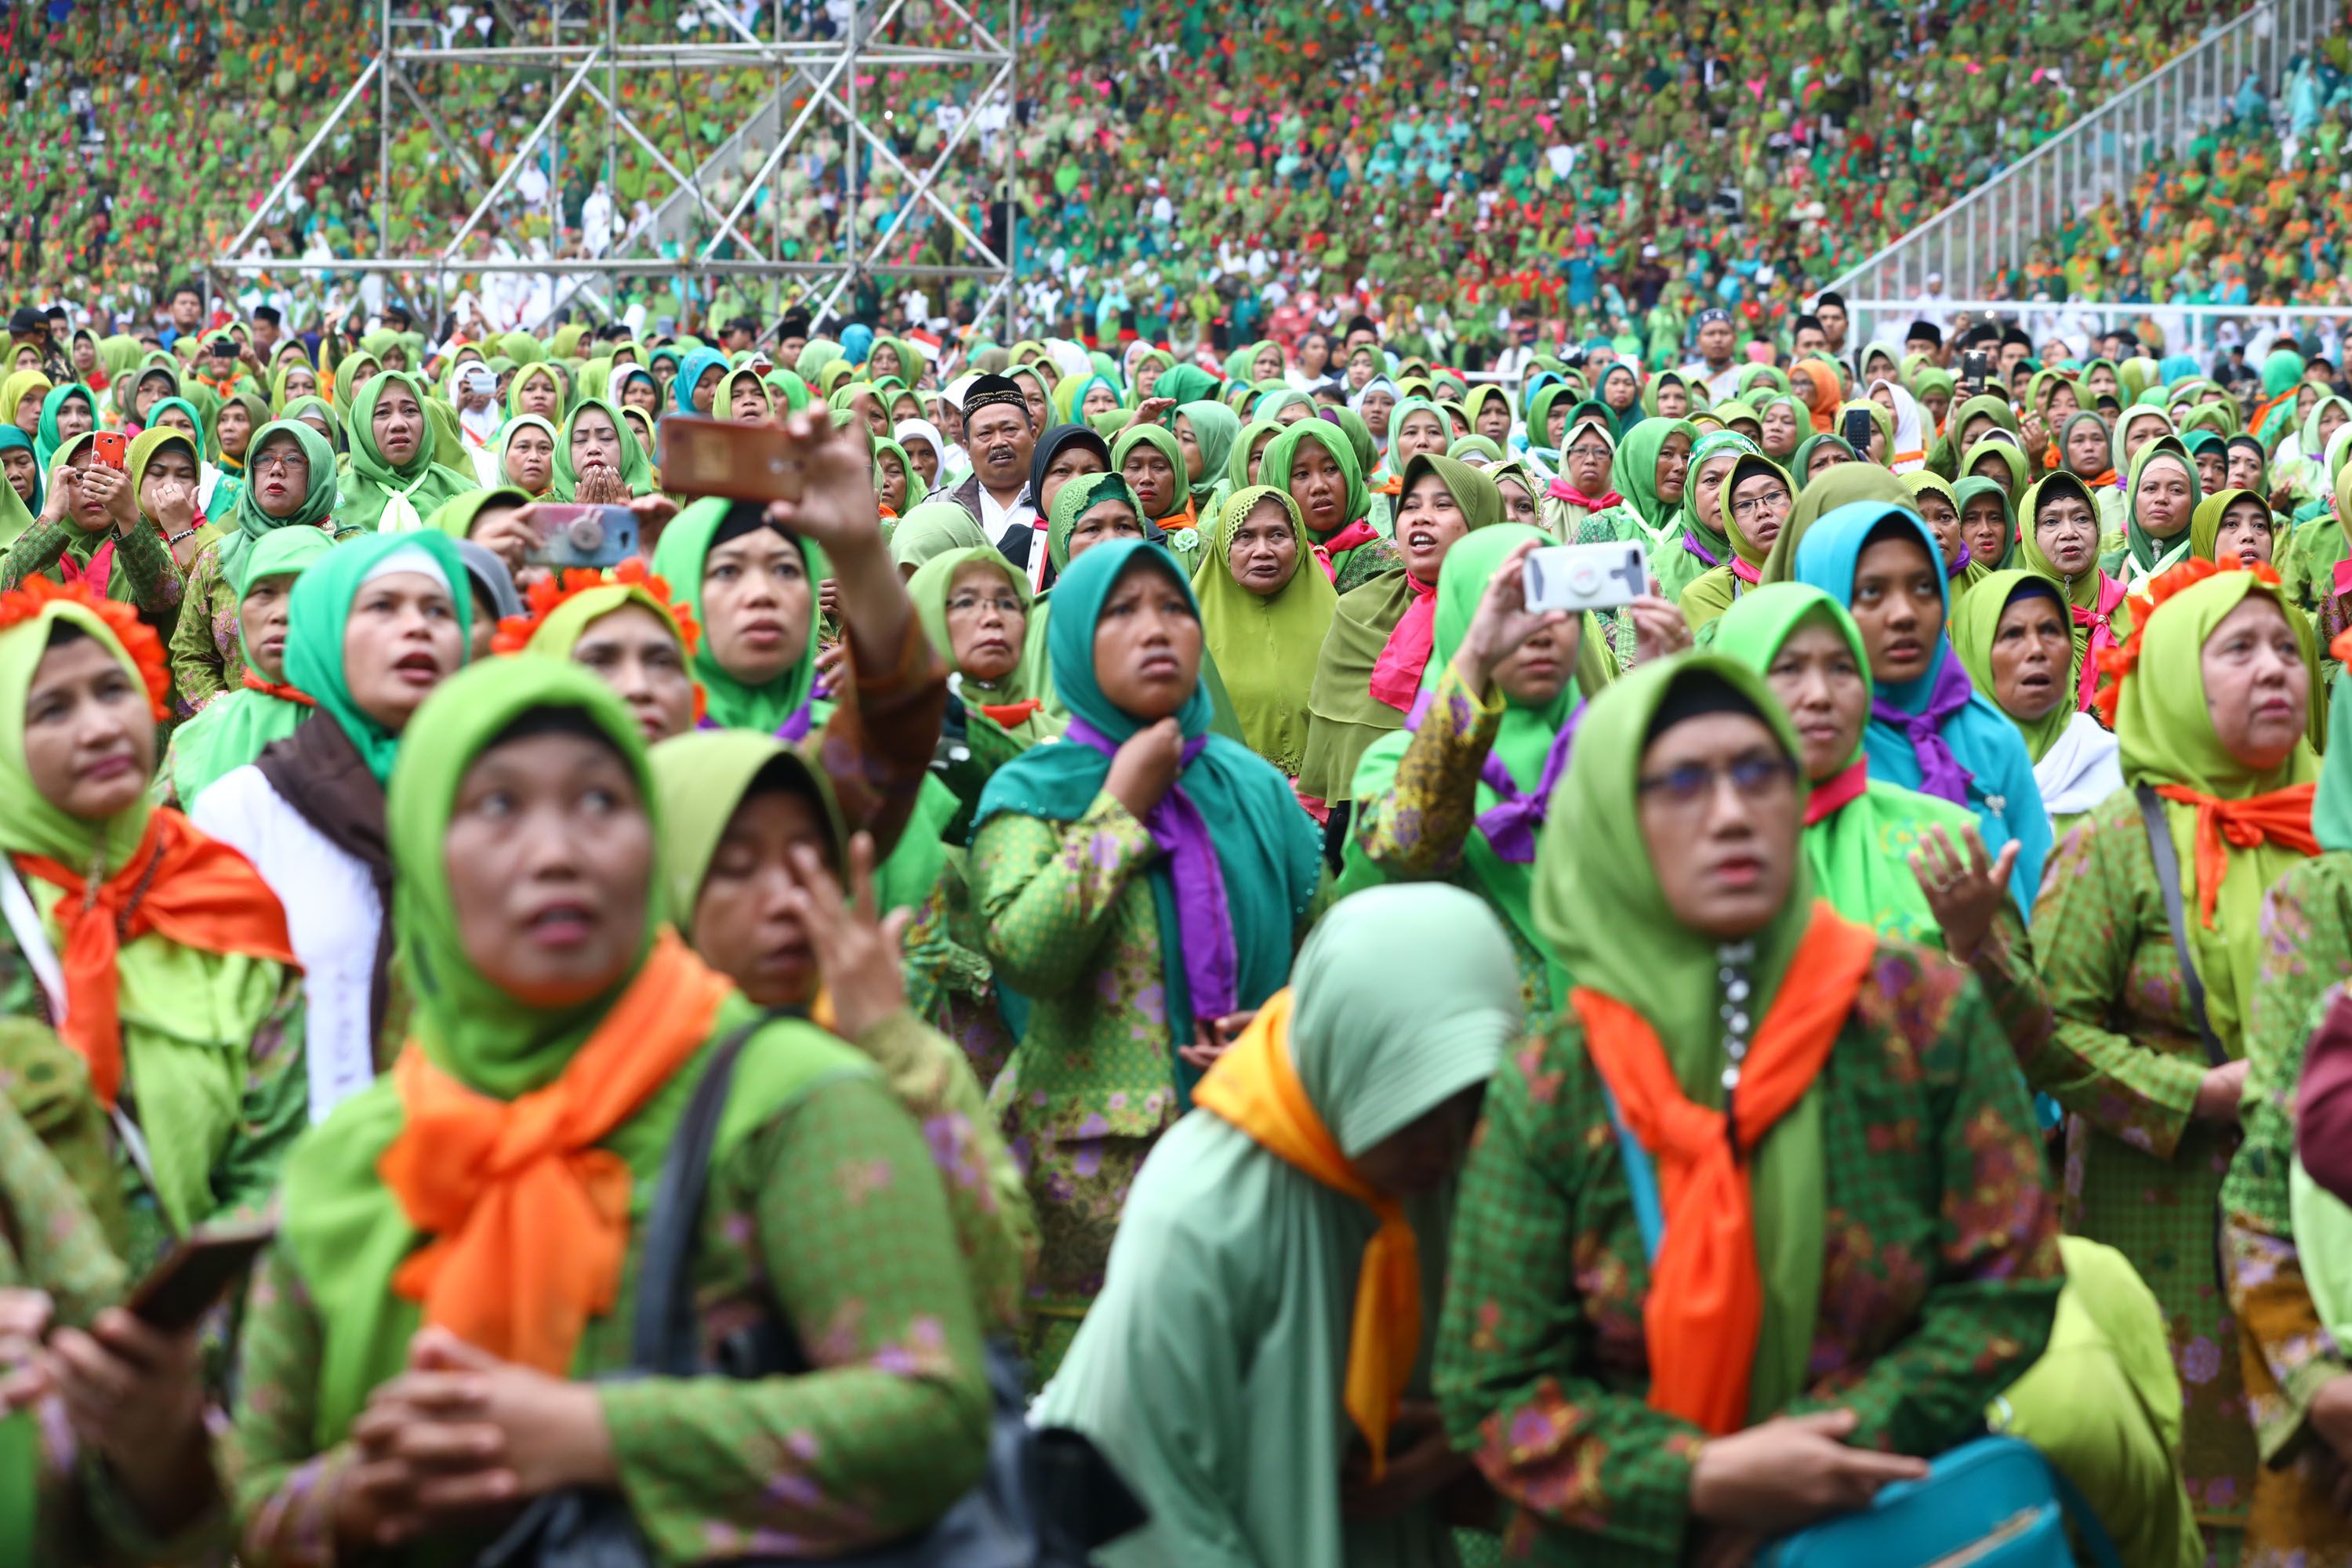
(332, 913)
(1719, 386)
(1000, 522)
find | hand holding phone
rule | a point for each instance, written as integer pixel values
(741, 461)
(1585, 576)
(109, 449)
(574, 535)
(1859, 429)
(197, 1273)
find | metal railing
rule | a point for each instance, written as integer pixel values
(2099, 155)
(2187, 329)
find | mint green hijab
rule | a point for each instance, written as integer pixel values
(322, 607)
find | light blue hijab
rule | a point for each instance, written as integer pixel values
(2002, 789)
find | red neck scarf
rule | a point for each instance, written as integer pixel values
(278, 688)
(1396, 674)
(1837, 791)
(1560, 489)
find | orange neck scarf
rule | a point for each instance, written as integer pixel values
(2280, 817)
(1255, 1087)
(529, 1219)
(278, 688)
(178, 883)
(1705, 1304)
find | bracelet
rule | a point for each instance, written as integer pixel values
(187, 533)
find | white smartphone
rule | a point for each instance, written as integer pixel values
(1586, 576)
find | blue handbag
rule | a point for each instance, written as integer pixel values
(1994, 1502)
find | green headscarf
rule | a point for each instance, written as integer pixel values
(523, 377)
(234, 727)
(1075, 498)
(1967, 491)
(321, 608)
(1264, 646)
(1975, 618)
(1859, 854)
(325, 410)
(1523, 740)
(188, 1016)
(516, 427)
(348, 371)
(2144, 555)
(1671, 562)
(928, 588)
(1845, 483)
(2205, 522)
(2165, 734)
(637, 470)
(1945, 456)
(731, 704)
(1236, 470)
(1606, 921)
(1349, 718)
(1162, 440)
(249, 523)
(932, 530)
(700, 780)
(1633, 472)
(371, 487)
(1273, 467)
(49, 438)
(1214, 428)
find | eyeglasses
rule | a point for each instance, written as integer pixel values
(1004, 605)
(1594, 454)
(1754, 778)
(1756, 506)
(280, 460)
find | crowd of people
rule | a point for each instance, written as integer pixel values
(1179, 170)
(1081, 890)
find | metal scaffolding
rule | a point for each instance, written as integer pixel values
(970, 47)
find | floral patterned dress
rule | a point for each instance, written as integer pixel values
(206, 643)
(826, 1214)
(2124, 1059)
(2286, 1353)
(1939, 1281)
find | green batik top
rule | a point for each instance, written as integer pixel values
(1366, 562)
(140, 556)
(829, 1215)
(2307, 952)
(206, 645)
(1939, 1276)
(2124, 1059)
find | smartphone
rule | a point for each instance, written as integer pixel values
(107, 447)
(725, 457)
(224, 348)
(1586, 576)
(197, 1273)
(1859, 429)
(1976, 366)
(570, 534)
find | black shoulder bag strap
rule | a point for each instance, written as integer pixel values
(662, 1338)
(2167, 877)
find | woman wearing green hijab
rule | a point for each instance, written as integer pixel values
(2158, 505)
(293, 487)
(2019, 645)
(1087, 917)
(895, 481)
(2211, 718)
(228, 445)
(1752, 504)
(393, 482)
(1939, 505)
(2232, 526)
(388, 1250)
(1206, 433)
(1265, 608)
(179, 989)
(23, 397)
(66, 412)
(90, 529)
(1650, 470)
(1371, 662)
(1227, 1221)
(1788, 1311)
(536, 389)
(1817, 455)
(598, 452)
(371, 628)
(760, 674)
(1697, 544)
(1151, 460)
(1964, 427)
(353, 373)
(1461, 794)
(1245, 463)
(231, 729)
(932, 530)
(1988, 523)
(1314, 462)
(624, 626)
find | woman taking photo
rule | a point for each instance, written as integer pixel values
(1234, 1368)
(291, 485)
(1793, 1345)
(532, 912)
(2208, 713)
(371, 630)
(1085, 914)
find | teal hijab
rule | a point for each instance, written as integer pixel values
(1266, 847)
(731, 704)
(249, 523)
(321, 608)
(234, 726)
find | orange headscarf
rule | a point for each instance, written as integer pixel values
(1706, 1305)
(1255, 1087)
(1829, 392)
(178, 883)
(529, 1219)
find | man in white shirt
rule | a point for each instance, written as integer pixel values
(1000, 439)
(1715, 366)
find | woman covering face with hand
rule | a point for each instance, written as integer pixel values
(90, 530)
(290, 483)
(532, 915)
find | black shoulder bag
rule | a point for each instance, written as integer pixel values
(1048, 1497)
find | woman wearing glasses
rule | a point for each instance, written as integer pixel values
(289, 483)
(1752, 504)
(1795, 1345)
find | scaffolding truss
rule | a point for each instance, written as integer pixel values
(886, 212)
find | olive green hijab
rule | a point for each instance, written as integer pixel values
(1266, 646)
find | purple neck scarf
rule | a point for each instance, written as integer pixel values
(1953, 572)
(794, 729)
(1205, 925)
(1511, 823)
(1691, 544)
(1940, 772)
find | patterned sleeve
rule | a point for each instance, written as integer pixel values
(283, 1487)
(1415, 831)
(1046, 892)
(196, 669)
(2085, 915)
(875, 749)
(1987, 1316)
(275, 1111)
(156, 584)
(58, 1239)
(37, 550)
(1515, 1352)
(891, 1426)
(995, 1228)
(2003, 965)
(2304, 955)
